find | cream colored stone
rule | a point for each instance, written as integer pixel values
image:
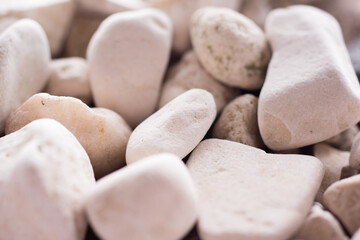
(355, 153)
(127, 59)
(175, 128)
(231, 47)
(44, 177)
(246, 193)
(55, 16)
(342, 199)
(189, 74)
(154, 198)
(311, 92)
(320, 225)
(336, 164)
(24, 65)
(102, 132)
(344, 140)
(69, 77)
(238, 122)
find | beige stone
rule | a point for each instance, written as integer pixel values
(342, 199)
(355, 153)
(105, 8)
(238, 122)
(189, 74)
(102, 132)
(154, 198)
(44, 177)
(175, 128)
(246, 193)
(24, 61)
(55, 16)
(320, 225)
(322, 98)
(127, 57)
(336, 164)
(344, 140)
(230, 46)
(69, 77)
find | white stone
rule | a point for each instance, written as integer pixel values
(175, 128)
(342, 199)
(356, 236)
(69, 77)
(44, 177)
(355, 153)
(55, 16)
(311, 92)
(127, 57)
(344, 140)
(154, 198)
(189, 74)
(238, 122)
(336, 164)
(230, 46)
(102, 132)
(24, 61)
(320, 225)
(246, 193)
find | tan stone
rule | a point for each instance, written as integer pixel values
(154, 198)
(175, 128)
(355, 153)
(189, 74)
(322, 98)
(246, 193)
(102, 132)
(238, 122)
(230, 46)
(44, 177)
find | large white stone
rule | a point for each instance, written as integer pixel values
(230, 46)
(55, 16)
(154, 198)
(127, 57)
(24, 65)
(102, 132)
(246, 193)
(44, 177)
(176, 128)
(311, 92)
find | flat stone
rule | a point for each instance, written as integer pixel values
(342, 199)
(336, 164)
(24, 70)
(102, 132)
(44, 177)
(230, 46)
(175, 128)
(322, 98)
(355, 153)
(238, 122)
(189, 74)
(246, 193)
(69, 77)
(154, 198)
(127, 57)
(55, 16)
(344, 140)
(320, 225)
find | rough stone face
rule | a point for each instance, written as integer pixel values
(154, 198)
(246, 193)
(336, 164)
(342, 199)
(230, 46)
(344, 140)
(44, 177)
(102, 132)
(55, 16)
(311, 92)
(23, 69)
(189, 74)
(238, 122)
(69, 77)
(127, 58)
(355, 153)
(176, 128)
(320, 225)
